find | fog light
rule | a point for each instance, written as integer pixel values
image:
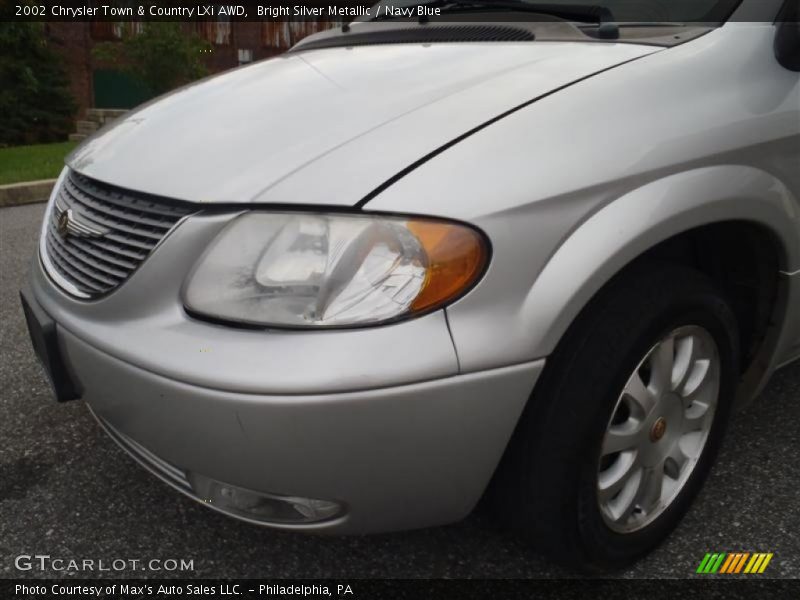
(261, 506)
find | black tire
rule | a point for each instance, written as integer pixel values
(545, 486)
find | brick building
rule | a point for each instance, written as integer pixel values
(234, 43)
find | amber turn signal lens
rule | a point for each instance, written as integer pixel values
(457, 256)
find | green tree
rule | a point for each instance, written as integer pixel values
(161, 55)
(35, 101)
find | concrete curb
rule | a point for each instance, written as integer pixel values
(27, 192)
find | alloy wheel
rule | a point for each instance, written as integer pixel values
(658, 429)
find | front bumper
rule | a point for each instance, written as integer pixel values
(377, 420)
(396, 458)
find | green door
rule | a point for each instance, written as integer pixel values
(117, 89)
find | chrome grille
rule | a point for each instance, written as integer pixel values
(98, 235)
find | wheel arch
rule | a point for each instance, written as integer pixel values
(708, 218)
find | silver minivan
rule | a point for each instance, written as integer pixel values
(527, 253)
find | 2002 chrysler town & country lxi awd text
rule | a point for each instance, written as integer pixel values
(411, 265)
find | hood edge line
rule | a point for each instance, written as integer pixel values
(421, 161)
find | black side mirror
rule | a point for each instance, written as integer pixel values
(787, 40)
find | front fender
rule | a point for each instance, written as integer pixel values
(626, 228)
(552, 257)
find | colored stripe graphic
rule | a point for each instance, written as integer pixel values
(734, 563)
(711, 563)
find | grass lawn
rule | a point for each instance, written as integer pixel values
(29, 163)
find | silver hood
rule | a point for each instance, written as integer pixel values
(328, 126)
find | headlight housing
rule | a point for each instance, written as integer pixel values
(312, 270)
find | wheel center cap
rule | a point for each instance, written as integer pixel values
(658, 430)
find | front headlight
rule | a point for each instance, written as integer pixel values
(329, 270)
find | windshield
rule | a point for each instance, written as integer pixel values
(648, 11)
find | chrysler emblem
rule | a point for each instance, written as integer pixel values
(658, 430)
(62, 225)
(69, 222)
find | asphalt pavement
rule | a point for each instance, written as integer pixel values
(68, 491)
